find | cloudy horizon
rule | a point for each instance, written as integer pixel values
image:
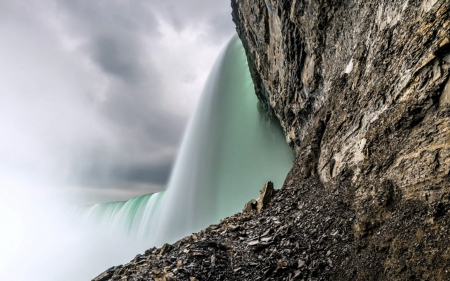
(95, 96)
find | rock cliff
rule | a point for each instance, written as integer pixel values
(362, 91)
(360, 86)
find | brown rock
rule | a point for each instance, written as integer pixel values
(165, 248)
(158, 275)
(266, 195)
(250, 206)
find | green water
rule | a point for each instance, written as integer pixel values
(228, 153)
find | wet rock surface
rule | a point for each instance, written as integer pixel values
(362, 91)
(307, 232)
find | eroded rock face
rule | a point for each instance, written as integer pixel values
(357, 85)
(360, 86)
(362, 91)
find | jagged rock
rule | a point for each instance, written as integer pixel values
(107, 274)
(361, 89)
(165, 248)
(158, 275)
(170, 277)
(150, 251)
(250, 206)
(314, 242)
(103, 277)
(265, 196)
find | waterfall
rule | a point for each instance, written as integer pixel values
(229, 151)
(129, 217)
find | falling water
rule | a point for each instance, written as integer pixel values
(228, 152)
(126, 216)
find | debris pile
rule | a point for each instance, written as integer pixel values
(281, 242)
(306, 232)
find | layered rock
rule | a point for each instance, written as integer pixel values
(361, 89)
(362, 85)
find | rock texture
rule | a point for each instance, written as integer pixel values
(357, 85)
(362, 91)
(307, 232)
(265, 196)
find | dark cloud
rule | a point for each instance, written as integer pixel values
(126, 174)
(112, 33)
(117, 57)
(215, 14)
(127, 71)
(154, 174)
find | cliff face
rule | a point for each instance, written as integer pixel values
(360, 85)
(362, 91)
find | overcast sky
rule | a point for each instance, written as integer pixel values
(95, 95)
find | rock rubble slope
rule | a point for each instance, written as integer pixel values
(362, 91)
(306, 232)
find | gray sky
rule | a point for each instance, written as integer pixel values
(95, 95)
